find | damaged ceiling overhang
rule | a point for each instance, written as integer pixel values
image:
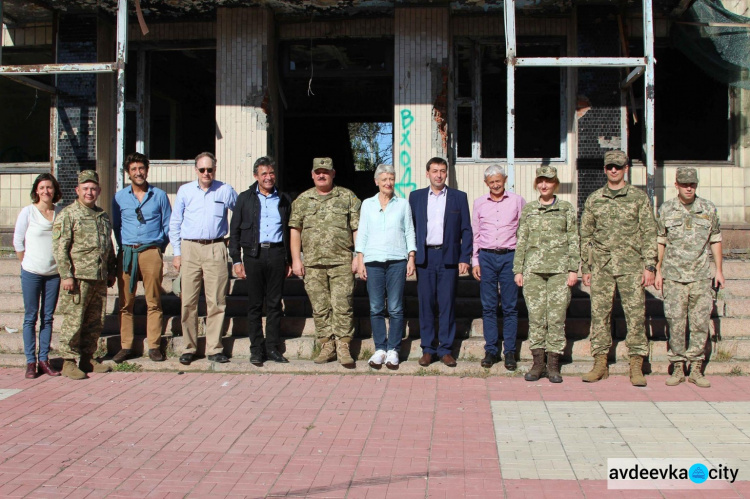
(40, 11)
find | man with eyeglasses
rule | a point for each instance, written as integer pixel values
(196, 231)
(140, 221)
(618, 249)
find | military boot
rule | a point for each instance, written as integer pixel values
(636, 371)
(345, 357)
(538, 368)
(599, 371)
(553, 368)
(678, 374)
(88, 365)
(696, 376)
(327, 351)
(70, 370)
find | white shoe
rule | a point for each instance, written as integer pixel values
(391, 360)
(377, 359)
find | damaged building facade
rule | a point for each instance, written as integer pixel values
(368, 81)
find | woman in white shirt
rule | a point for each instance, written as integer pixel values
(385, 247)
(40, 281)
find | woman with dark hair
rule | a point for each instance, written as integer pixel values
(40, 281)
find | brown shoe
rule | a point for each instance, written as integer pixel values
(425, 360)
(71, 370)
(155, 355)
(31, 370)
(46, 368)
(448, 360)
(89, 365)
(123, 355)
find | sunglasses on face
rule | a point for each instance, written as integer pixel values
(203, 170)
(139, 215)
(614, 167)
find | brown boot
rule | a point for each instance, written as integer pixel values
(538, 368)
(70, 370)
(636, 371)
(342, 351)
(696, 375)
(327, 351)
(678, 374)
(89, 365)
(553, 368)
(599, 371)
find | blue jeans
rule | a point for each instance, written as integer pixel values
(386, 279)
(498, 269)
(38, 288)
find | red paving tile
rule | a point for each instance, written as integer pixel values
(223, 435)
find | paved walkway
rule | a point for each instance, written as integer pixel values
(354, 436)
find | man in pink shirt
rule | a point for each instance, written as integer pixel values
(494, 222)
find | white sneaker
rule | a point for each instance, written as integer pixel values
(377, 359)
(391, 360)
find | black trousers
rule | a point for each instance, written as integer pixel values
(265, 279)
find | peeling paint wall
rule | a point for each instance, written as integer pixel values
(242, 92)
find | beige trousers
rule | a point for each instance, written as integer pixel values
(151, 271)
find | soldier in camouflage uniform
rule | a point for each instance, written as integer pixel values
(688, 226)
(618, 249)
(324, 223)
(82, 245)
(546, 265)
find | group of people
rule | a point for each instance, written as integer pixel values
(327, 236)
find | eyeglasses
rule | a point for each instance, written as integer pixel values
(616, 167)
(203, 170)
(139, 215)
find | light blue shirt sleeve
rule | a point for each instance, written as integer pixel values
(411, 235)
(175, 221)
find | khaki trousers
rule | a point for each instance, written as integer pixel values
(151, 271)
(207, 264)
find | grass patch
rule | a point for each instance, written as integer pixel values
(127, 367)
(736, 371)
(724, 354)
(365, 354)
(316, 349)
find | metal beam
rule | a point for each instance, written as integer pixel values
(617, 62)
(41, 69)
(632, 77)
(122, 54)
(29, 82)
(648, 50)
(510, 61)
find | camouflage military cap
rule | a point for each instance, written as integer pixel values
(88, 176)
(616, 157)
(687, 175)
(325, 163)
(546, 171)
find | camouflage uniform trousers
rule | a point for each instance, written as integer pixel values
(547, 297)
(83, 318)
(331, 289)
(688, 301)
(633, 299)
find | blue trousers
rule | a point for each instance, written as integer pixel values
(39, 300)
(497, 270)
(436, 285)
(386, 280)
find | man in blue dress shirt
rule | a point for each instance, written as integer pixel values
(140, 221)
(196, 231)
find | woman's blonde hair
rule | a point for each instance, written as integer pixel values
(557, 183)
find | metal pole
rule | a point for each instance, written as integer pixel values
(140, 127)
(510, 61)
(581, 62)
(2, 31)
(122, 54)
(648, 50)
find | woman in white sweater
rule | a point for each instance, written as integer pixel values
(40, 281)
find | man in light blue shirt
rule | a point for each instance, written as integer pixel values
(196, 231)
(140, 221)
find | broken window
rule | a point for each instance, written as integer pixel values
(481, 97)
(179, 105)
(372, 144)
(691, 116)
(25, 111)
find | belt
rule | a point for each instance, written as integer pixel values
(501, 251)
(435, 246)
(206, 241)
(271, 245)
(135, 246)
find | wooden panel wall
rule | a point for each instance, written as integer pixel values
(493, 25)
(15, 189)
(242, 92)
(420, 79)
(366, 28)
(27, 35)
(173, 31)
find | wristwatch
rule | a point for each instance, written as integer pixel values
(651, 268)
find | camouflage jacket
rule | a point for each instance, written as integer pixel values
(547, 239)
(687, 235)
(327, 223)
(618, 232)
(82, 243)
